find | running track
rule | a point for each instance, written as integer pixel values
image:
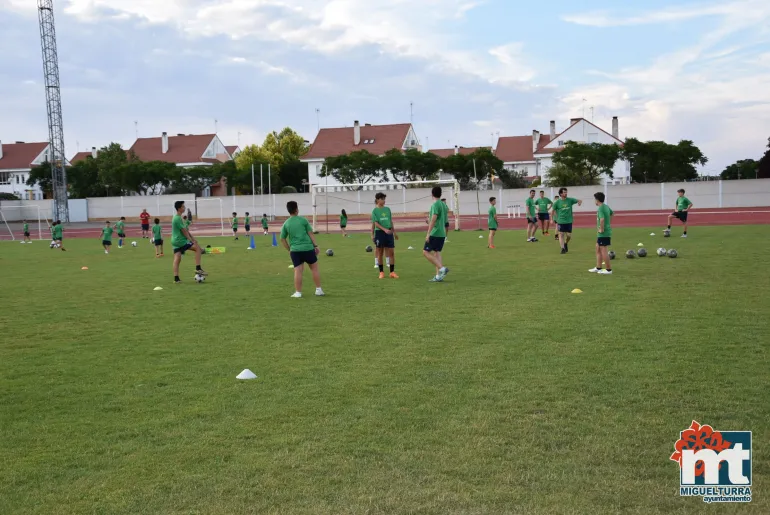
(698, 217)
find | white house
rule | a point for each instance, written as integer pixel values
(533, 155)
(377, 139)
(16, 162)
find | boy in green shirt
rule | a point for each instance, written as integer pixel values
(383, 235)
(343, 223)
(264, 224)
(56, 234)
(683, 205)
(492, 222)
(247, 224)
(26, 233)
(120, 229)
(562, 213)
(543, 203)
(182, 241)
(106, 237)
(157, 238)
(434, 240)
(234, 223)
(302, 248)
(603, 236)
(531, 210)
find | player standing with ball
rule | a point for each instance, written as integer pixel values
(182, 241)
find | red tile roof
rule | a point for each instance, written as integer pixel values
(519, 148)
(446, 152)
(181, 149)
(336, 142)
(20, 155)
(231, 149)
(80, 156)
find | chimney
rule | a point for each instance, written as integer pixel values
(457, 150)
(356, 133)
(164, 143)
(615, 127)
(535, 140)
(93, 152)
(573, 121)
(1, 149)
(553, 129)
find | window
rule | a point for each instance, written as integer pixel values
(561, 143)
(5, 177)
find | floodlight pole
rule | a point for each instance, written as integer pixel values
(478, 205)
(326, 191)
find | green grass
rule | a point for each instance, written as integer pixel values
(495, 391)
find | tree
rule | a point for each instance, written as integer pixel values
(393, 163)
(421, 166)
(193, 179)
(8, 196)
(283, 147)
(113, 174)
(41, 175)
(288, 189)
(83, 179)
(658, 161)
(743, 169)
(586, 161)
(511, 179)
(461, 168)
(562, 175)
(763, 168)
(359, 167)
(291, 173)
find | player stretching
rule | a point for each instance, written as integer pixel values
(492, 222)
(434, 240)
(120, 228)
(531, 209)
(234, 223)
(56, 231)
(603, 236)
(344, 223)
(543, 203)
(264, 224)
(247, 224)
(144, 217)
(562, 214)
(182, 241)
(26, 233)
(106, 237)
(302, 248)
(683, 205)
(157, 238)
(384, 234)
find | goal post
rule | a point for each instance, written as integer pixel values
(205, 211)
(16, 215)
(326, 200)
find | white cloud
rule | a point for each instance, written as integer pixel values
(668, 15)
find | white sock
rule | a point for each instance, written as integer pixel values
(387, 261)
(376, 262)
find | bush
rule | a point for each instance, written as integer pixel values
(288, 189)
(8, 196)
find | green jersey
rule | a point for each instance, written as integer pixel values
(604, 213)
(247, 220)
(26, 227)
(264, 222)
(107, 234)
(543, 204)
(343, 220)
(178, 238)
(531, 209)
(57, 232)
(440, 210)
(235, 223)
(157, 232)
(382, 216)
(563, 208)
(296, 230)
(187, 223)
(119, 226)
(682, 203)
(492, 223)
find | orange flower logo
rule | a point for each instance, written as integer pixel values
(698, 437)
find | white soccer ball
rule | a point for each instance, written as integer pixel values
(199, 278)
(53, 244)
(133, 244)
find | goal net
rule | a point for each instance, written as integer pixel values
(12, 219)
(209, 216)
(412, 199)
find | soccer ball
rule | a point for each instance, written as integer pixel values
(53, 244)
(630, 254)
(611, 254)
(672, 253)
(642, 252)
(330, 252)
(666, 233)
(368, 248)
(133, 244)
(661, 252)
(199, 278)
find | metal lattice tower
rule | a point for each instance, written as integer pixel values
(53, 102)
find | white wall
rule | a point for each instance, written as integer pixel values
(109, 208)
(17, 210)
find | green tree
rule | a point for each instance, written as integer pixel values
(41, 175)
(291, 173)
(193, 179)
(154, 177)
(113, 174)
(288, 189)
(763, 168)
(743, 169)
(562, 175)
(393, 164)
(8, 196)
(461, 168)
(658, 161)
(587, 161)
(283, 147)
(83, 179)
(421, 166)
(359, 168)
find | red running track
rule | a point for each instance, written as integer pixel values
(698, 217)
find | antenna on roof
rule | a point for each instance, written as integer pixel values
(239, 138)
(136, 128)
(216, 127)
(318, 118)
(411, 113)
(592, 114)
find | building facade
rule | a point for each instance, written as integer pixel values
(16, 163)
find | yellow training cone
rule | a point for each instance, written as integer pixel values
(157, 288)
(577, 290)
(84, 268)
(291, 266)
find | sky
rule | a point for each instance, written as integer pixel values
(461, 70)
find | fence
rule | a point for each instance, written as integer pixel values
(626, 197)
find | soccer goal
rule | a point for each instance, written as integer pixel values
(207, 209)
(16, 216)
(403, 197)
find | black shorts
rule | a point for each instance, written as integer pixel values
(446, 226)
(342, 226)
(158, 242)
(121, 235)
(493, 228)
(181, 250)
(603, 242)
(565, 228)
(247, 227)
(303, 256)
(434, 244)
(682, 215)
(235, 230)
(26, 233)
(106, 243)
(264, 227)
(543, 216)
(145, 227)
(532, 220)
(383, 240)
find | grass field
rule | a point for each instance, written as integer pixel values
(495, 391)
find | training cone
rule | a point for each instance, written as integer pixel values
(251, 245)
(157, 288)
(652, 234)
(481, 236)
(640, 244)
(410, 248)
(84, 268)
(291, 266)
(577, 290)
(246, 374)
(275, 241)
